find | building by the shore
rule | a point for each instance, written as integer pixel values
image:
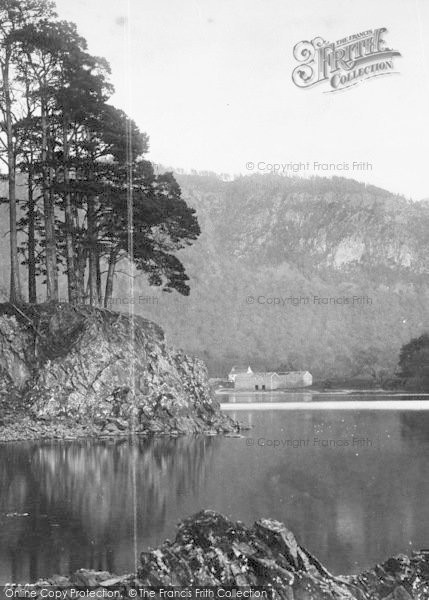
(272, 380)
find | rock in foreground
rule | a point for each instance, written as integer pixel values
(211, 551)
(101, 371)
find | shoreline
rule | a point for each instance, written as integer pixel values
(34, 431)
(18, 426)
(320, 392)
(354, 405)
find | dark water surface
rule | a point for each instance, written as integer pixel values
(67, 505)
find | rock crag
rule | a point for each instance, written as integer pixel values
(212, 551)
(99, 372)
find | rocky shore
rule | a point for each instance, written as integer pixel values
(211, 551)
(75, 371)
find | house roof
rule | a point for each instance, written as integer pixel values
(243, 372)
(240, 369)
(293, 372)
(258, 374)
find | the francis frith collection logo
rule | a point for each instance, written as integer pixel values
(344, 63)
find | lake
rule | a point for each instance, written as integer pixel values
(352, 484)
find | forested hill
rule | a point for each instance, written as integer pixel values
(270, 237)
(268, 241)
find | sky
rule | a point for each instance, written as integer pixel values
(210, 82)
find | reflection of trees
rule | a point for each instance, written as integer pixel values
(81, 495)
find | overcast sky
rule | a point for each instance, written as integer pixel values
(210, 82)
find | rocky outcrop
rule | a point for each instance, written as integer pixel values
(102, 371)
(211, 551)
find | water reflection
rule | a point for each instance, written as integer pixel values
(415, 427)
(80, 505)
(352, 505)
(269, 397)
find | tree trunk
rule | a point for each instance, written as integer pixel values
(49, 215)
(81, 266)
(15, 284)
(110, 275)
(98, 268)
(80, 252)
(92, 251)
(32, 286)
(72, 284)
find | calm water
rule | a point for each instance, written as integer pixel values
(69, 505)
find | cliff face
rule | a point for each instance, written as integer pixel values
(103, 370)
(317, 224)
(212, 551)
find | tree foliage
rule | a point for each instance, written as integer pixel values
(92, 197)
(414, 362)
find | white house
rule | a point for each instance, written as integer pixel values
(239, 370)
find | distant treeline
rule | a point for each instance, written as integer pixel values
(92, 199)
